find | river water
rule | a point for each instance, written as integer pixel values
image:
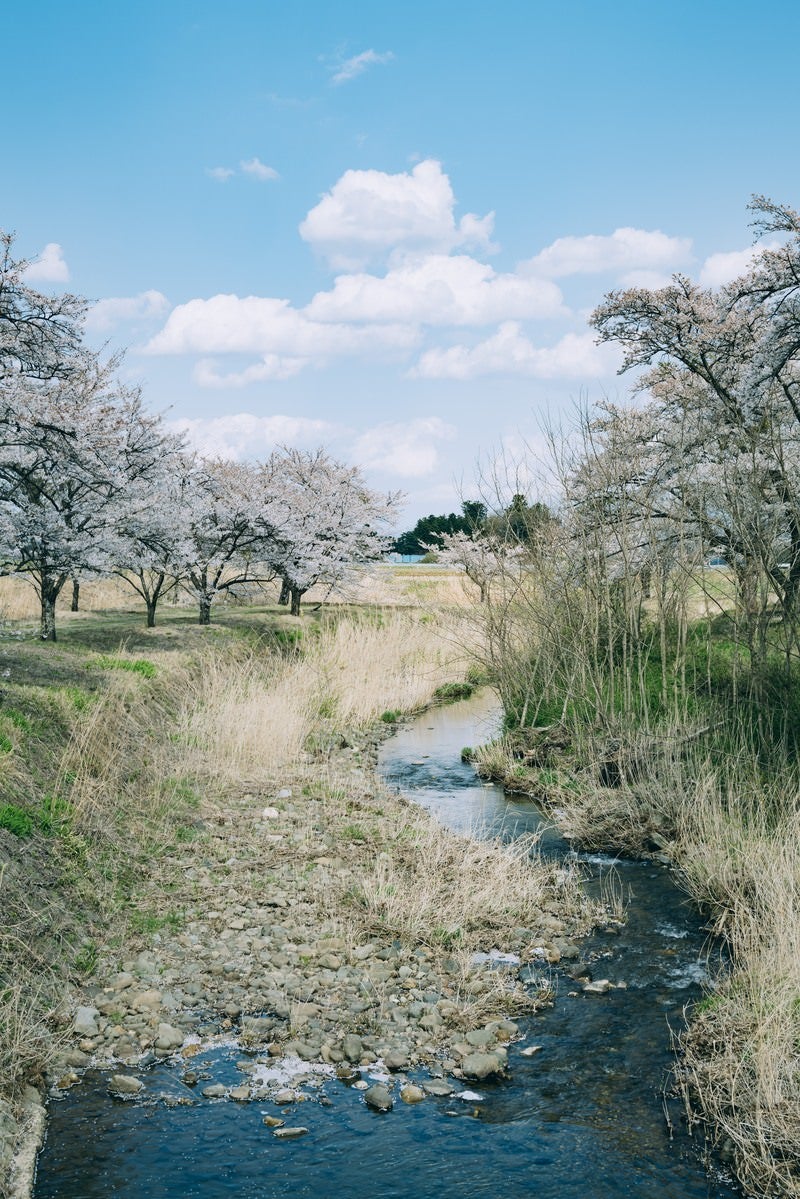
(585, 1118)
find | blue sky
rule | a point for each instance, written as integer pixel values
(381, 226)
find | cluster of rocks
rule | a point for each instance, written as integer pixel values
(260, 953)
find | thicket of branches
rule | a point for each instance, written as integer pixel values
(597, 613)
(91, 483)
(646, 646)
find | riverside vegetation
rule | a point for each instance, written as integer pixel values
(193, 840)
(645, 644)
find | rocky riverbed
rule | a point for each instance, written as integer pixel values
(259, 937)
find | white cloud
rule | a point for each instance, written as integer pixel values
(352, 67)
(437, 290)
(221, 174)
(406, 448)
(652, 280)
(244, 435)
(105, 314)
(228, 324)
(368, 213)
(624, 250)
(49, 267)
(719, 269)
(258, 169)
(271, 367)
(509, 352)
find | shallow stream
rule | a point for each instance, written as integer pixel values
(585, 1118)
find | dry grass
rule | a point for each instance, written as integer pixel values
(384, 584)
(435, 886)
(254, 715)
(742, 1051)
(19, 602)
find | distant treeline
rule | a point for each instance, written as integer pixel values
(514, 523)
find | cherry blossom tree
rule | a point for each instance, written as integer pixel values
(722, 368)
(325, 520)
(76, 443)
(39, 334)
(154, 529)
(229, 530)
(483, 557)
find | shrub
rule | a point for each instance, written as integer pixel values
(448, 693)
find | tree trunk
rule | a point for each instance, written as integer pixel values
(286, 591)
(297, 595)
(76, 592)
(48, 594)
(151, 613)
(205, 608)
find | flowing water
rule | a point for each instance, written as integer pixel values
(585, 1118)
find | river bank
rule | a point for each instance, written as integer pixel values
(304, 910)
(583, 1085)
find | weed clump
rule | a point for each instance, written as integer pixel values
(15, 820)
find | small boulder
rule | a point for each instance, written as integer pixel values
(353, 1049)
(379, 1098)
(395, 1059)
(84, 1022)
(168, 1037)
(289, 1134)
(411, 1093)
(125, 1084)
(437, 1086)
(480, 1037)
(601, 986)
(481, 1065)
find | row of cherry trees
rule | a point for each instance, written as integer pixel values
(91, 483)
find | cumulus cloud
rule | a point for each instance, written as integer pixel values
(510, 352)
(221, 174)
(623, 251)
(406, 448)
(228, 324)
(652, 280)
(369, 213)
(357, 65)
(49, 267)
(105, 314)
(258, 169)
(437, 290)
(719, 269)
(271, 367)
(243, 435)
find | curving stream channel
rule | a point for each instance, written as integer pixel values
(585, 1118)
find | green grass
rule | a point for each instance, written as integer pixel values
(390, 716)
(18, 719)
(153, 922)
(139, 666)
(353, 832)
(449, 693)
(54, 813)
(15, 820)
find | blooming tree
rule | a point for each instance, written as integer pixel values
(722, 367)
(154, 529)
(483, 557)
(39, 334)
(325, 521)
(78, 443)
(228, 529)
